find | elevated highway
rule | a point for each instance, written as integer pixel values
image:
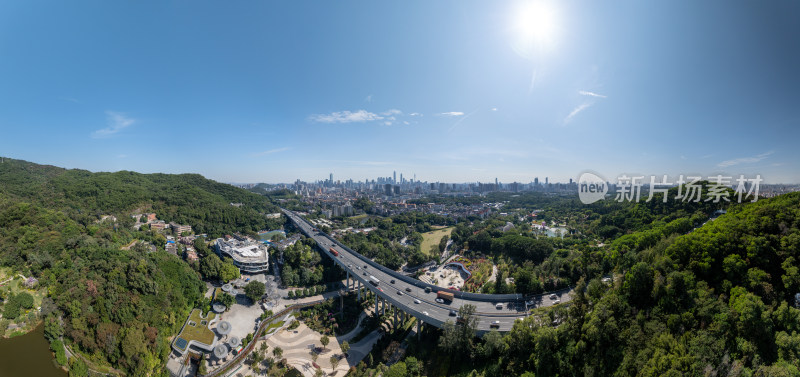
(417, 298)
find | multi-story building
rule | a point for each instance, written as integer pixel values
(250, 256)
(179, 229)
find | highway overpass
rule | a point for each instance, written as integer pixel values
(409, 295)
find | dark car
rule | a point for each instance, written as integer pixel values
(453, 313)
(408, 289)
(392, 281)
(399, 293)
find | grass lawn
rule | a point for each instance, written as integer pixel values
(433, 238)
(273, 326)
(199, 331)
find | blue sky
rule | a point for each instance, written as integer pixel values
(253, 91)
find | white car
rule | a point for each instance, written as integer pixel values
(553, 296)
(439, 301)
(557, 301)
(417, 301)
(426, 313)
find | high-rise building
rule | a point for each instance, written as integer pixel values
(394, 176)
(536, 181)
(331, 178)
(546, 181)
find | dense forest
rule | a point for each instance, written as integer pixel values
(185, 198)
(687, 297)
(117, 307)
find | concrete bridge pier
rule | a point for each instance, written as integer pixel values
(359, 290)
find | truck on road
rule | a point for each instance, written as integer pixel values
(334, 252)
(447, 296)
(374, 280)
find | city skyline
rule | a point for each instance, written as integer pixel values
(473, 91)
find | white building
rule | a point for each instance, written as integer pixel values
(249, 255)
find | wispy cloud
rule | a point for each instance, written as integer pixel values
(494, 109)
(577, 110)
(744, 160)
(392, 112)
(70, 99)
(368, 98)
(386, 118)
(271, 151)
(591, 94)
(451, 114)
(461, 120)
(116, 122)
(345, 117)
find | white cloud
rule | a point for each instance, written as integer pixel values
(415, 114)
(577, 110)
(744, 160)
(591, 94)
(345, 117)
(271, 151)
(116, 123)
(452, 114)
(494, 109)
(392, 112)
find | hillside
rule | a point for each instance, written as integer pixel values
(716, 300)
(185, 198)
(117, 307)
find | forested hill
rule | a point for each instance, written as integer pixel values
(718, 301)
(185, 198)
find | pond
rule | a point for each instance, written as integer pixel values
(28, 355)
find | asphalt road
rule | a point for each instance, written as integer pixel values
(403, 295)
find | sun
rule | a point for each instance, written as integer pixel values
(535, 24)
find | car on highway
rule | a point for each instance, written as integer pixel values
(408, 289)
(440, 301)
(417, 301)
(495, 325)
(365, 266)
(392, 281)
(427, 289)
(399, 293)
(426, 313)
(349, 266)
(453, 313)
(499, 306)
(364, 273)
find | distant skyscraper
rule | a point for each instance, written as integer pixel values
(536, 181)
(495, 181)
(546, 181)
(394, 177)
(401, 177)
(331, 177)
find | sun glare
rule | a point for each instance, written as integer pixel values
(535, 24)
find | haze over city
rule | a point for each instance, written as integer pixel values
(451, 91)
